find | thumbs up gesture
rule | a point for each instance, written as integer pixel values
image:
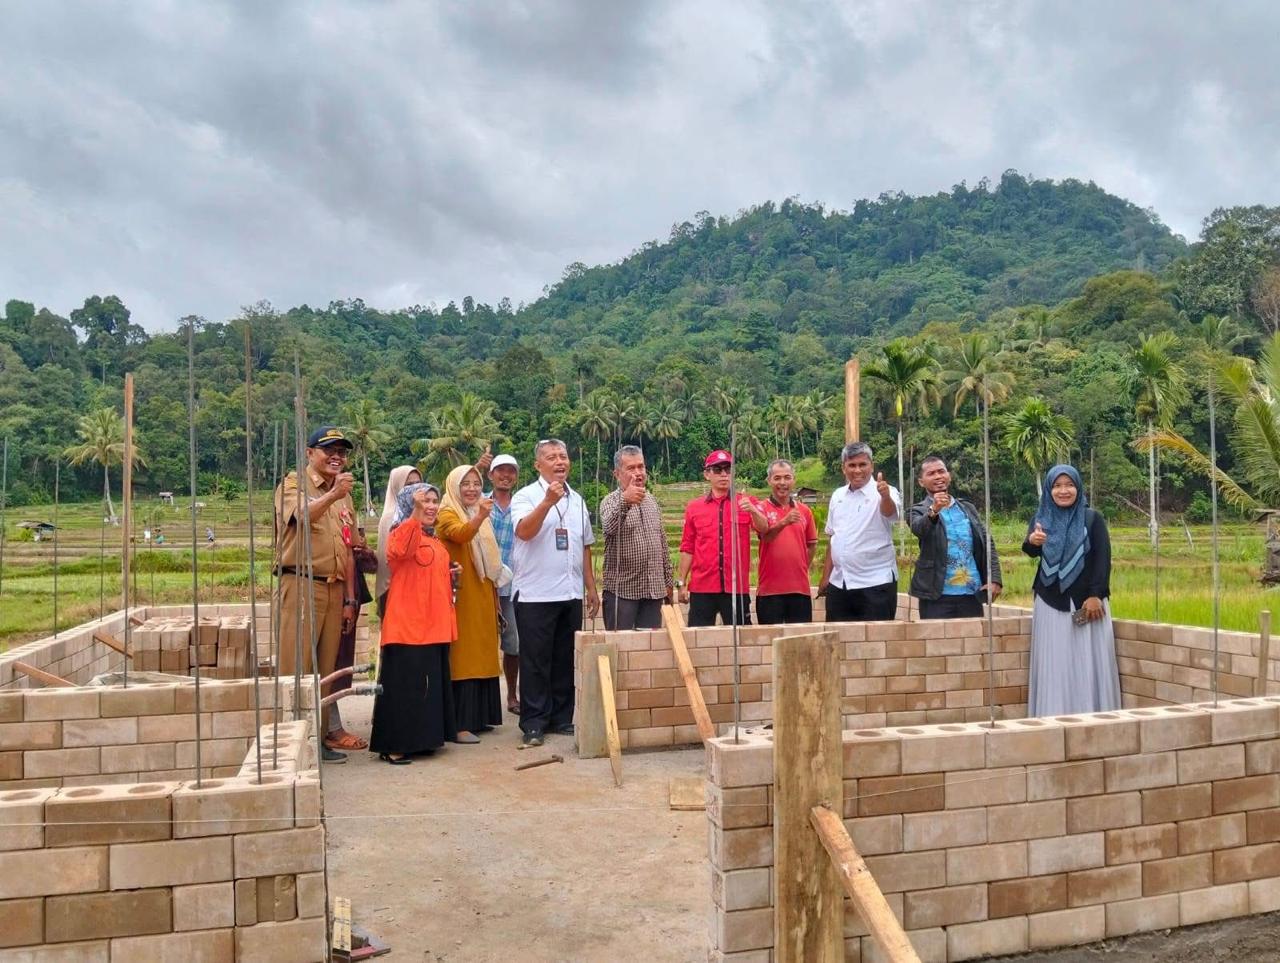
(882, 486)
(1038, 536)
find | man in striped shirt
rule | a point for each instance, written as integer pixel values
(637, 564)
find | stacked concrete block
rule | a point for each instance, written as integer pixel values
(1027, 835)
(894, 673)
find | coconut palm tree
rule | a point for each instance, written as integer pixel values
(785, 416)
(667, 424)
(595, 421)
(910, 374)
(642, 421)
(624, 412)
(820, 403)
(975, 373)
(1159, 385)
(1037, 436)
(368, 432)
(101, 434)
(457, 429)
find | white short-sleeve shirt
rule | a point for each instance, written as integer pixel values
(862, 553)
(544, 573)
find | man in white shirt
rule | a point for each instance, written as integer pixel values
(552, 564)
(860, 577)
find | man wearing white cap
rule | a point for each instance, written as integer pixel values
(712, 570)
(503, 473)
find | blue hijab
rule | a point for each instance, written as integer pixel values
(1062, 555)
(404, 501)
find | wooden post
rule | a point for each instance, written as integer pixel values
(610, 718)
(48, 678)
(1264, 653)
(675, 632)
(126, 499)
(807, 772)
(589, 726)
(862, 889)
(852, 380)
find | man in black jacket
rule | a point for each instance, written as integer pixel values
(950, 577)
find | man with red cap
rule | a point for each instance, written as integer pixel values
(712, 569)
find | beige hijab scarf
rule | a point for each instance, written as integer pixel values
(484, 547)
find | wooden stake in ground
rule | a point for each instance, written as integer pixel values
(807, 772)
(675, 632)
(610, 718)
(852, 379)
(589, 724)
(862, 889)
(1264, 653)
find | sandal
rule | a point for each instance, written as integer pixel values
(513, 708)
(346, 741)
(395, 761)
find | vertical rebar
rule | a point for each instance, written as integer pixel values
(986, 520)
(195, 559)
(1213, 517)
(1155, 530)
(126, 526)
(300, 474)
(253, 569)
(102, 557)
(733, 574)
(4, 495)
(57, 471)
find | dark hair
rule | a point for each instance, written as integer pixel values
(929, 460)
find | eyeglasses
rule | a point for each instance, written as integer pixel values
(720, 469)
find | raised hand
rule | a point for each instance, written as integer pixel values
(792, 517)
(343, 483)
(941, 500)
(882, 486)
(484, 507)
(555, 492)
(634, 493)
(1038, 536)
(485, 460)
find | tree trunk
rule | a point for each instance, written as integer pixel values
(1154, 526)
(106, 493)
(901, 537)
(368, 495)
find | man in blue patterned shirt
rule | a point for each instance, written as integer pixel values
(503, 475)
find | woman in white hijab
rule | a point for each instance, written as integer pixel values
(401, 476)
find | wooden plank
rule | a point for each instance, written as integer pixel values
(862, 889)
(342, 924)
(610, 718)
(589, 725)
(852, 378)
(675, 632)
(111, 643)
(48, 678)
(1264, 652)
(807, 772)
(688, 793)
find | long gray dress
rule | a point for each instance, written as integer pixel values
(1073, 667)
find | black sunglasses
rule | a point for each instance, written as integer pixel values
(720, 469)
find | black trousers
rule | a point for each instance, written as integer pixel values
(705, 606)
(783, 609)
(952, 607)
(546, 662)
(623, 614)
(877, 603)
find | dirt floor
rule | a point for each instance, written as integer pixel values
(458, 858)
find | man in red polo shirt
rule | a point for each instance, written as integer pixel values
(707, 571)
(788, 537)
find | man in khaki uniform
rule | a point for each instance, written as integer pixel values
(333, 571)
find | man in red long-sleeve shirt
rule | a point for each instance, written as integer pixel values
(709, 578)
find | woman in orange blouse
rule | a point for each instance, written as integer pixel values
(414, 714)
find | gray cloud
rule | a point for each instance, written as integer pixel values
(196, 157)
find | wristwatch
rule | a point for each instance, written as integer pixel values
(678, 583)
(346, 602)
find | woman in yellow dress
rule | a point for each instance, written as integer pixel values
(463, 525)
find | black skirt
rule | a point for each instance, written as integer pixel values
(415, 711)
(477, 704)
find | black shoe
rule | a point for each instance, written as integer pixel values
(400, 761)
(564, 730)
(332, 756)
(532, 739)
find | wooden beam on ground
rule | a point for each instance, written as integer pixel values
(111, 643)
(852, 380)
(688, 793)
(48, 678)
(1264, 653)
(589, 728)
(807, 772)
(862, 889)
(675, 632)
(610, 718)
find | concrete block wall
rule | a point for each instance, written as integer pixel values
(1033, 834)
(229, 870)
(894, 673)
(99, 735)
(1170, 664)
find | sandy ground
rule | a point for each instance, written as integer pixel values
(458, 857)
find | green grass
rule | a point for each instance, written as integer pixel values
(162, 575)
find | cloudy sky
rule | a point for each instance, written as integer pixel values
(194, 157)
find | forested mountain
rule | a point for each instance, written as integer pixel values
(744, 320)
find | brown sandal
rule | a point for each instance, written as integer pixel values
(347, 741)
